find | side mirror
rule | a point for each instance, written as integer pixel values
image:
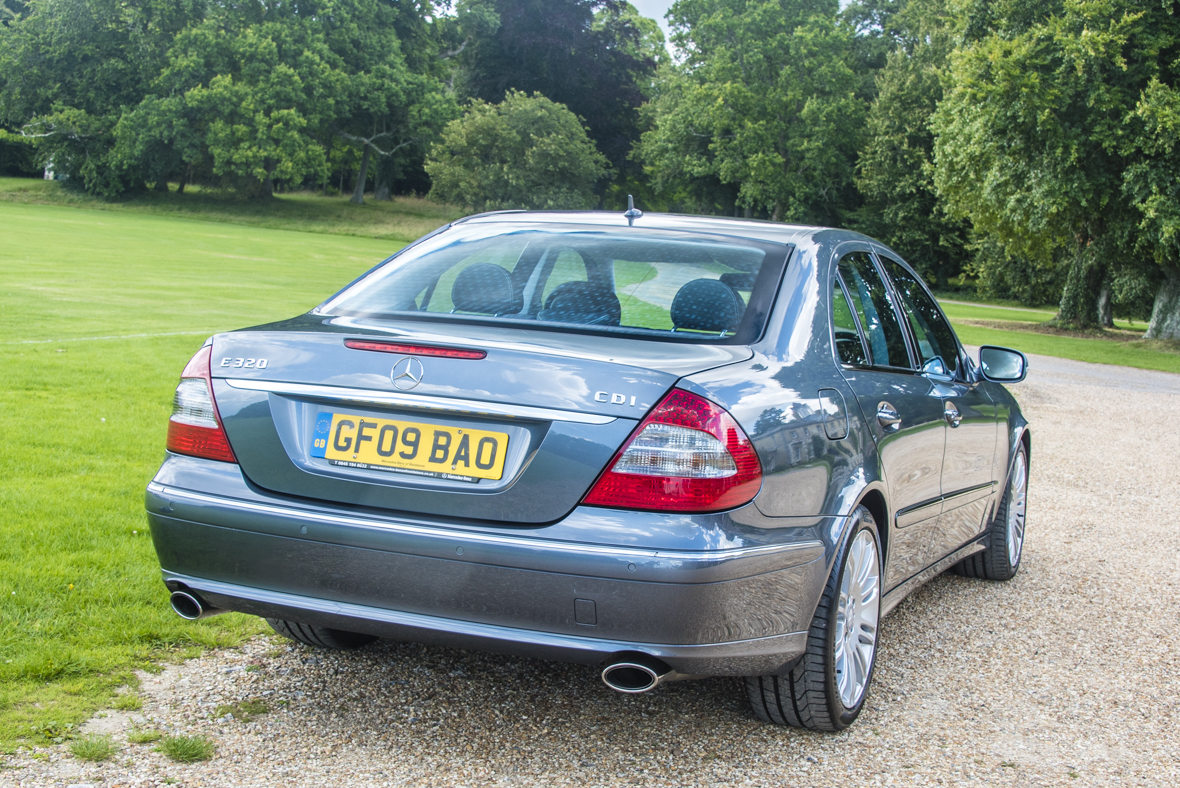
(1002, 365)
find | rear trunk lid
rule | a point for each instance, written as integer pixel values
(516, 437)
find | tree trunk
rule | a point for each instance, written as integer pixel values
(1079, 300)
(183, 179)
(162, 185)
(382, 192)
(362, 177)
(1105, 307)
(1165, 315)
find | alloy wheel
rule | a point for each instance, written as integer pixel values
(1018, 492)
(857, 613)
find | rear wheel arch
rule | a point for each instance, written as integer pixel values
(874, 500)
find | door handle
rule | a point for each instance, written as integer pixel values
(888, 417)
(953, 417)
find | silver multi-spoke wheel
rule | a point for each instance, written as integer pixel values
(825, 688)
(1017, 492)
(857, 612)
(999, 558)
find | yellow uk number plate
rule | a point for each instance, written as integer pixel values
(408, 447)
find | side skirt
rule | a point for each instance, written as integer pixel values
(901, 591)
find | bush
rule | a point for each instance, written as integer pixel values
(143, 735)
(187, 749)
(93, 748)
(17, 156)
(525, 152)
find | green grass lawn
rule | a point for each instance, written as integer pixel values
(84, 420)
(403, 219)
(968, 311)
(1141, 353)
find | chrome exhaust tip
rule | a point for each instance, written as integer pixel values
(190, 607)
(635, 674)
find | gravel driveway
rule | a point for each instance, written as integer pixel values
(1068, 675)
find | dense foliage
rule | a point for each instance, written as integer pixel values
(763, 114)
(1054, 141)
(1031, 147)
(525, 152)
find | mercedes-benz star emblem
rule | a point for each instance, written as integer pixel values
(407, 373)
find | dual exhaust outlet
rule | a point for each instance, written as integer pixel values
(631, 673)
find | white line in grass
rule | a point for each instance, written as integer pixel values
(94, 339)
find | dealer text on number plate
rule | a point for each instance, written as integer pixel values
(409, 447)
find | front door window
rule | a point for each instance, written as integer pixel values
(934, 336)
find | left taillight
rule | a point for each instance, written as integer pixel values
(195, 426)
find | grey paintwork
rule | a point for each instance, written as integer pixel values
(499, 565)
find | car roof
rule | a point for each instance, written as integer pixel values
(746, 228)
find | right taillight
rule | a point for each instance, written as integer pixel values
(688, 455)
(195, 426)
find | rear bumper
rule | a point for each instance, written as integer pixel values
(742, 610)
(761, 656)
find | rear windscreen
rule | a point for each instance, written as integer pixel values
(665, 285)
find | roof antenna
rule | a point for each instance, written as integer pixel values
(632, 213)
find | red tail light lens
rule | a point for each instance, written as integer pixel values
(195, 427)
(688, 455)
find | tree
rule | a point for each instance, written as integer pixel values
(895, 172)
(1152, 182)
(525, 152)
(1050, 144)
(247, 94)
(69, 68)
(393, 111)
(255, 93)
(877, 31)
(766, 102)
(589, 55)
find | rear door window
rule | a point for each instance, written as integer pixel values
(873, 304)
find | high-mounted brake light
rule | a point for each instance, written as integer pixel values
(413, 350)
(195, 426)
(688, 455)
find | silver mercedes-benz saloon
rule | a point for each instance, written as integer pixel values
(667, 447)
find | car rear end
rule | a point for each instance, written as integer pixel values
(493, 441)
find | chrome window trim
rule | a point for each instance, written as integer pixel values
(466, 407)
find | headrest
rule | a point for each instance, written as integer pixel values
(486, 288)
(707, 305)
(740, 281)
(582, 302)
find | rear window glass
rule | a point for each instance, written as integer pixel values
(676, 286)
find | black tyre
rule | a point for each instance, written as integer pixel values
(320, 637)
(1001, 559)
(826, 688)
